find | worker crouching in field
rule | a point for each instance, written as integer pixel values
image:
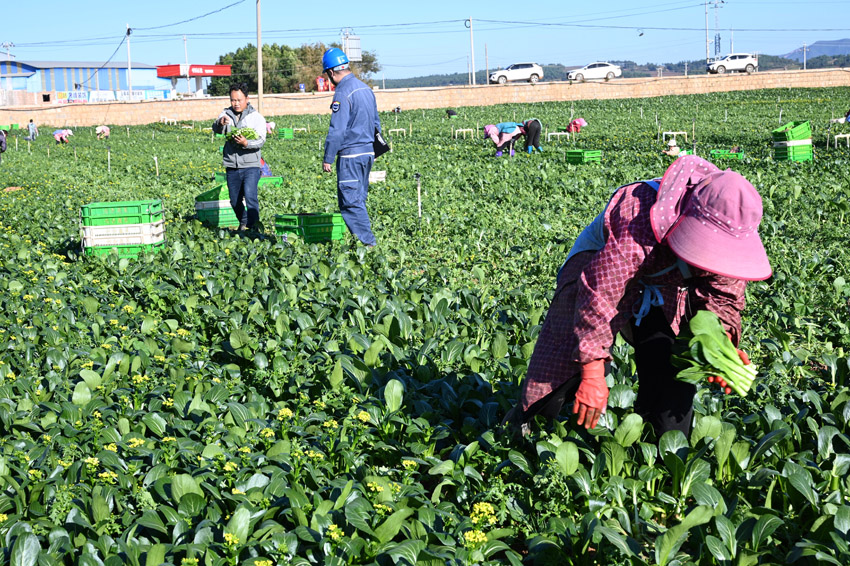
(531, 129)
(503, 135)
(102, 132)
(659, 252)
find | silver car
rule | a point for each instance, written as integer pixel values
(597, 70)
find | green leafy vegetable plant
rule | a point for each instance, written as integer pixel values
(711, 354)
(247, 133)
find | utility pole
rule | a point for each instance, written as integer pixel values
(129, 67)
(487, 66)
(186, 53)
(707, 60)
(383, 81)
(804, 56)
(471, 51)
(8, 45)
(259, 62)
(731, 41)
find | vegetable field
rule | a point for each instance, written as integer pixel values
(237, 399)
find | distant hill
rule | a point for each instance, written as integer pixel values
(830, 48)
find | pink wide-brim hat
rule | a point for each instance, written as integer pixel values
(709, 218)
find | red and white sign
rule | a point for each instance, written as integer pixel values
(167, 71)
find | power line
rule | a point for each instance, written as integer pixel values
(192, 19)
(107, 61)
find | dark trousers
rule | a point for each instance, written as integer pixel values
(662, 400)
(507, 145)
(242, 184)
(532, 134)
(352, 177)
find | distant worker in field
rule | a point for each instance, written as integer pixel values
(270, 126)
(32, 130)
(350, 139)
(503, 135)
(576, 125)
(242, 157)
(673, 148)
(532, 129)
(2, 143)
(451, 113)
(660, 251)
(102, 132)
(61, 136)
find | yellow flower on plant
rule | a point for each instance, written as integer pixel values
(315, 455)
(483, 514)
(189, 562)
(182, 332)
(236, 491)
(267, 433)
(230, 539)
(364, 417)
(111, 447)
(92, 462)
(136, 442)
(375, 487)
(168, 439)
(284, 413)
(330, 424)
(160, 359)
(230, 467)
(245, 450)
(113, 322)
(169, 402)
(65, 464)
(35, 474)
(474, 538)
(335, 533)
(128, 309)
(3, 517)
(108, 476)
(409, 465)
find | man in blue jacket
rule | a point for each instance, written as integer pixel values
(354, 121)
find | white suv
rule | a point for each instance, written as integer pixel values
(531, 72)
(744, 62)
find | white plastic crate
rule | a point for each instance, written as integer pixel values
(124, 235)
(377, 176)
(211, 204)
(792, 143)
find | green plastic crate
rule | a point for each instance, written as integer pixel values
(286, 134)
(323, 232)
(122, 212)
(584, 155)
(123, 251)
(792, 131)
(793, 153)
(16, 126)
(220, 136)
(5, 128)
(219, 217)
(320, 227)
(219, 192)
(726, 154)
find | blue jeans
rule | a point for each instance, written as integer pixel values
(242, 183)
(352, 174)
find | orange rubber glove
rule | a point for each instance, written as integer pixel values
(592, 394)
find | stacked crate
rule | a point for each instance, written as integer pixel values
(793, 142)
(576, 156)
(311, 227)
(129, 227)
(213, 206)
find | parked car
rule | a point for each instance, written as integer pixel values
(597, 70)
(531, 72)
(743, 62)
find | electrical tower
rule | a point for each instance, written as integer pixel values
(351, 45)
(717, 5)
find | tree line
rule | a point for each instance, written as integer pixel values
(284, 68)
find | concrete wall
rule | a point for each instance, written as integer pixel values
(134, 113)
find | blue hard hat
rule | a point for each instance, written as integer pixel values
(333, 57)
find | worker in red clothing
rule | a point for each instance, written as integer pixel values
(660, 251)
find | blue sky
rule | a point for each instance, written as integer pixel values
(542, 31)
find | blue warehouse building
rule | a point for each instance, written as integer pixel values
(70, 76)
